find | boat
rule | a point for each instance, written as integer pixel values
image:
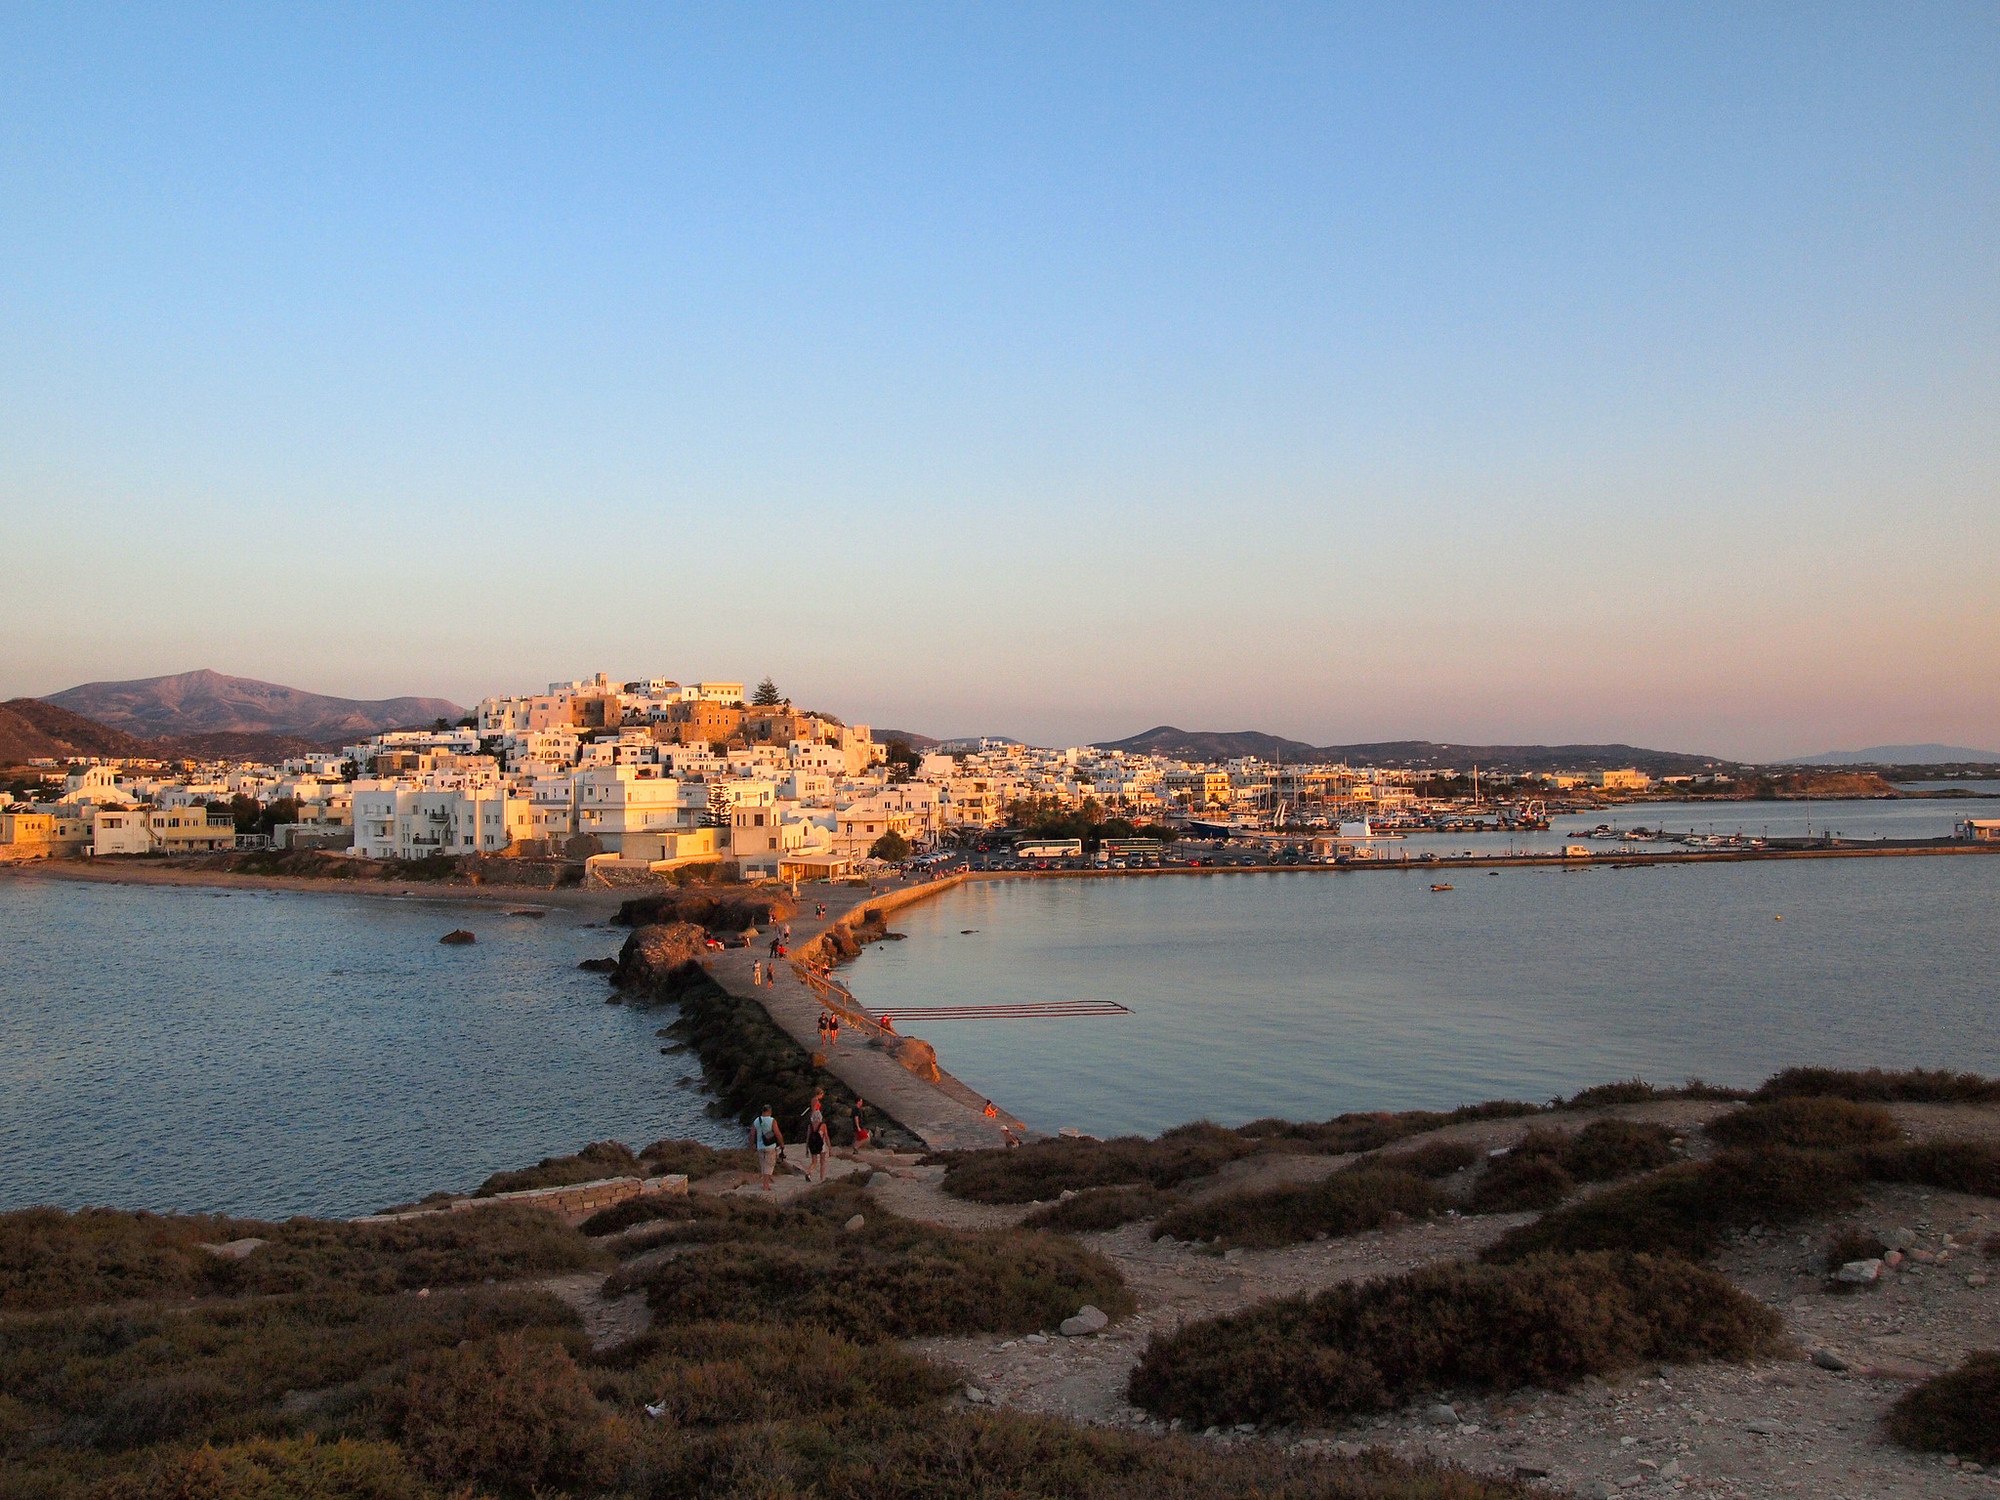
(1441, 887)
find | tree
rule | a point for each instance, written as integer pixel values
(892, 846)
(902, 760)
(767, 695)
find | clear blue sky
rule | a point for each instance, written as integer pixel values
(1475, 372)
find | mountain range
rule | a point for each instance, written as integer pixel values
(1902, 755)
(1202, 744)
(207, 703)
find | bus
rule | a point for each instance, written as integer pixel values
(1132, 849)
(1049, 849)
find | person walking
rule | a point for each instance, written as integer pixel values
(859, 1114)
(832, 1030)
(816, 1137)
(756, 975)
(770, 1143)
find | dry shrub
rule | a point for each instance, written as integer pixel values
(1689, 1209)
(1100, 1208)
(1345, 1203)
(694, 1161)
(1913, 1086)
(300, 1469)
(893, 1278)
(1547, 1321)
(118, 1378)
(1432, 1161)
(1638, 1091)
(1366, 1131)
(599, 1159)
(50, 1259)
(511, 1414)
(1806, 1124)
(1955, 1166)
(1608, 1149)
(1528, 1177)
(1043, 1169)
(716, 1374)
(1956, 1412)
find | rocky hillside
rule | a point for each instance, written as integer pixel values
(206, 702)
(33, 730)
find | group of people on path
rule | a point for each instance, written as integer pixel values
(829, 1030)
(769, 1138)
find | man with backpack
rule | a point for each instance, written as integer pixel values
(770, 1143)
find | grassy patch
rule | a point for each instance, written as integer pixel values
(893, 1278)
(1548, 1321)
(1911, 1086)
(1806, 1124)
(1345, 1203)
(1689, 1209)
(1957, 1412)
(1097, 1209)
(1607, 1149)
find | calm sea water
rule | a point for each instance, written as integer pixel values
(1305, 995)
(276, 1053)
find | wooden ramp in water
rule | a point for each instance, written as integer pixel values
(1023, 1010)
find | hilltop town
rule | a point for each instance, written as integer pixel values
(634, 780)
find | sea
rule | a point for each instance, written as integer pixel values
(1309, 994)
(272, 1053)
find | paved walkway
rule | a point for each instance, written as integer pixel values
(945, 1116)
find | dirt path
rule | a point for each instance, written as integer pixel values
(1761, 1431)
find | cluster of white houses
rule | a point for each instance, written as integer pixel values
(650, 774)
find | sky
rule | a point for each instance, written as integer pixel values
(1486, 373)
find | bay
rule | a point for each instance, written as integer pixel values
(1308, 994)
(269, 1053)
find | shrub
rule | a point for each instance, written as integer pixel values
(1956, 1412)
(1431, 1161)
(1372, 1131)
(1043, 1169)
(1345, 1203)
(893, 1278)
(1638, 1091)
(511, 1414)
(694, 1161)
(51, 1259)
(1955, 1166)
(1607, 1149)
(1915, 1086)
(597, 1160)
(1806, 1124)
(1547, 1321)
(1688, 1209)
(299, 1469)
(1525, 1178)
(1100, 1208)
(124, 1377)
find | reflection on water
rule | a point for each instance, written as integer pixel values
(1309, 994)
(279, 1053)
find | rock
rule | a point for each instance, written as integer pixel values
(1826, 1359)
(600, 965)
(652, 953)
(1671, 1469)
(1246, 1428)
(975, 1395)
(1976, 1280)
(1899, 1239)
(232, 1249)
(1599, 1490)
(1631, 1481)
(1530, 1471)
(854, 1224)
(1859, 1272)
(1066, 1195)
(1893, 1259)
(458, 937)
(1923, 1257)
(918, 1057)
(1628, 1442)
(1036, 1338)
(1088, 1320)
(1442, 1414)
(1764, 1427)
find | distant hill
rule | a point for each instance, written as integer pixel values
(205, 703)
(1186, 744)
(1902, 755)
(33, 730)
(908, 736)
(1212, 744)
